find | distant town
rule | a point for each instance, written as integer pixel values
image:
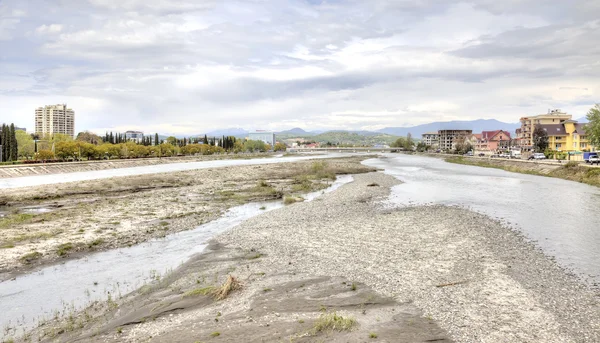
(554, 134)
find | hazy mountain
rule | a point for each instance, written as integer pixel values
(582, 120)
(236, 132)
(294, 131)
(475, 125)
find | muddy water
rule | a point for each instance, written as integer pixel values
(38, 180)
(561, 216)
(71, 285)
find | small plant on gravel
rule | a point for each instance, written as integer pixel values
(119, 330)
(353, 287)
(372, 335)
(373, 185)
(215, 334)
(262, 208)
(64, 249)
(7, 246)
(301, 321)
(262, 183)
(32, 256)
(267, 290)
(164, 223)
(232, 284)
(255, 256)
(333, 322)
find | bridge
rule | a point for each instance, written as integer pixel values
(361, 149)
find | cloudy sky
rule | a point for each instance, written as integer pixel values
(190, 66)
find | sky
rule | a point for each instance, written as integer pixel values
(192, 66)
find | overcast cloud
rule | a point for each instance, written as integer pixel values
(190, 66)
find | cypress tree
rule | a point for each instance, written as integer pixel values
(156, 139)
(205, 140)
(111, 138)
(5, 143)
(14, 149)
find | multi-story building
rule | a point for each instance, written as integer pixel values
(448, 138)
(54, 119)
(569, 136)
(528, 124)
(136, 136)
(492, 140)
(430, 138)
(265, 136)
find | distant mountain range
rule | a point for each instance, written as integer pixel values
(416, 131)
(475, 125)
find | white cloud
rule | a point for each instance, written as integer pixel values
(49, 29)
(188, 66)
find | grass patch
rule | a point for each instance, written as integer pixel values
(7, 246)
(218, 293)
(15, 219)
(288, 200)
(372, 335)
(96, 242)
(334, 322)
(64, 249)
(215, 334)
(32, 256)
(353, 287)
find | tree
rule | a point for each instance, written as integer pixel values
(399, 143)
(44, 155)
(156, 142)
(254, 146)
(89, 137)
(409, 143)
(14, 148)
(540, 139)
(25, 143)
(279, 147)
(592, 129)
(66, 150)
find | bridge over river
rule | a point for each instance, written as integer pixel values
(352, 150)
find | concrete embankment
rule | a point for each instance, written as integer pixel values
(9, 171)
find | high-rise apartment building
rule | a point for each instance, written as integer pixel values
(53, 119)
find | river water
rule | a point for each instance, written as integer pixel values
(562, 217)
(76, 283)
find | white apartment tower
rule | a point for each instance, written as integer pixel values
(53, 119)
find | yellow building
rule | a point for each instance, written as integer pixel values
(568, 136)
(528, 124)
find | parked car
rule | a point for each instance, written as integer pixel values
(504, 155)
(481, 154)
(537, 156)
(594, 159)
(587, 155)
(469, 153)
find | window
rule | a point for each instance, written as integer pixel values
(574, 145)
(558, 146)
(574, 136)
(583, 145)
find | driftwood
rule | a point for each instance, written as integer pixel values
(451, 284)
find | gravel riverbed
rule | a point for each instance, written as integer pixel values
(481, 281)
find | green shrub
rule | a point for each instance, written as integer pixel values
(333, 322)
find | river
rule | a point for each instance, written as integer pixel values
(559, 216)
(62, 289)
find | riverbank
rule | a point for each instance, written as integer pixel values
(20, 170)
(50, 224)
(426, 273)
(569, 171)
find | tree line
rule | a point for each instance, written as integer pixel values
(89, 146)
(8, 141)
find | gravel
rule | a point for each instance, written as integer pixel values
(479, 280)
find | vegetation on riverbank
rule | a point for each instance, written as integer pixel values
(572, 171)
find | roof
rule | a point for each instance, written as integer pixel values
(488, 135)
(430, 133)
(477, 135)
(554, 129)
(580, 128)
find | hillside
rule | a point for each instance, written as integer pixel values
(344, 138)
